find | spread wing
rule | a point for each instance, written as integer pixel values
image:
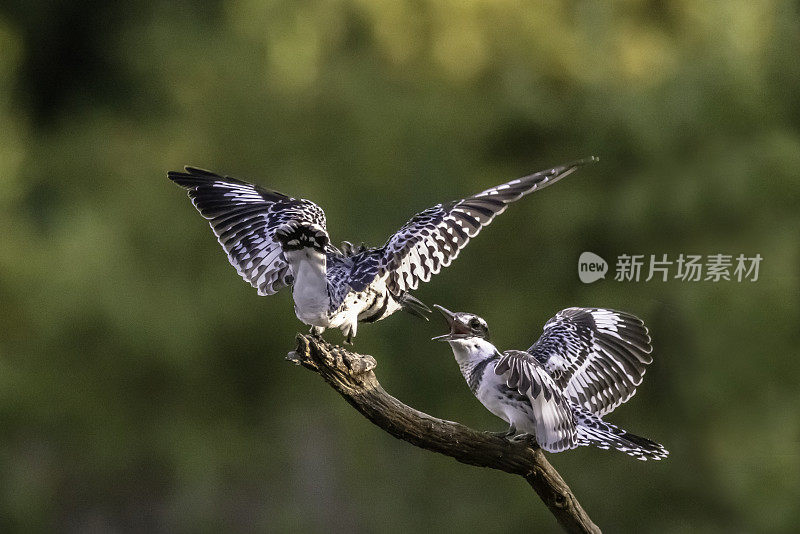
(434, 237)
(245, 219)
(596, 356)
(555, 424)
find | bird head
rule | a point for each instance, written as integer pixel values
(462, 325)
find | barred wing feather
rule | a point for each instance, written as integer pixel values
(597, 356)
(245, 218)
(555, 424)
(434, 237)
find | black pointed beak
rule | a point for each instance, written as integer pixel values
(414, 306)
(450, 317)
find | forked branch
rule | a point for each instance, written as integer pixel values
(352, 376)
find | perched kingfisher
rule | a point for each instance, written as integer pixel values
(275, 241)
(587, 362)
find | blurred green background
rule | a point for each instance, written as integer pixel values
(143, 385)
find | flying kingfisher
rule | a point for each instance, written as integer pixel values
(275, 241)
(587, 362)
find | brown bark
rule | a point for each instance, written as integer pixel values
(352, 376)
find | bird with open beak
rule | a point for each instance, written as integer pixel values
(586, 363)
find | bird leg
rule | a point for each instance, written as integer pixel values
(512, 430)
(316, 331)
(349, 331)
(530, 439)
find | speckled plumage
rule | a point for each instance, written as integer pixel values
(275, 241)
(580, 368)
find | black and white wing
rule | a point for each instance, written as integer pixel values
(246, 218)
(434, 237)
(596, 356)
(555, 424)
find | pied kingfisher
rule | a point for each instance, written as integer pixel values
(275, 241)
(587, 362)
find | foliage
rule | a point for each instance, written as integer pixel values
(142, 384)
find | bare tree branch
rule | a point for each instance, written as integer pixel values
(352, 376)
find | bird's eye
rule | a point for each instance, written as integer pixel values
(474, 323)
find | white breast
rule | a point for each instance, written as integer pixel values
(489, 395)
(310, 290)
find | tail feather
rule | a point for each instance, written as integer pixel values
(594, 431)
